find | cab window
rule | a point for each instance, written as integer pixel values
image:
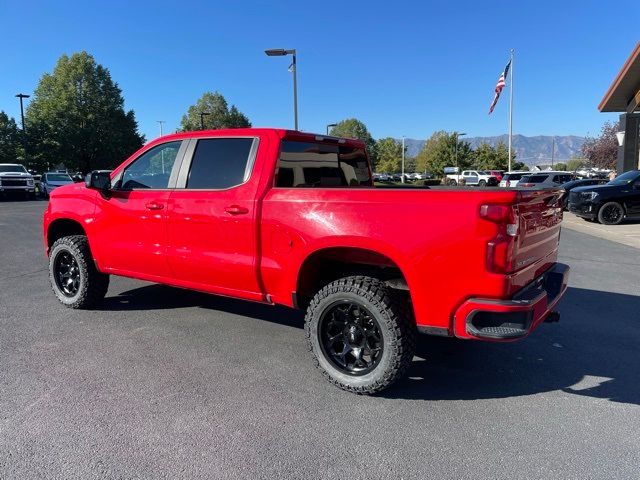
(152, 169)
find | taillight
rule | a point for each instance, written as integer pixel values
(501, 250)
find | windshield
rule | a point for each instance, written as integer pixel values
(513, 176)
(625, 178)
(12, 168)
(58, 177)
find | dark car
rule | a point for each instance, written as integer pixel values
(610, 203)
(582, 182)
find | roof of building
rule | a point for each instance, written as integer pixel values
(624, 93)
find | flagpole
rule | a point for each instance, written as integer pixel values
(510, 107)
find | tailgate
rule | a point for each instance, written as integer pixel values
(540, 215)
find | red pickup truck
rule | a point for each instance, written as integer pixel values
(291, 218)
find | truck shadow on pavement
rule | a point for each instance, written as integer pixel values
(592, 352)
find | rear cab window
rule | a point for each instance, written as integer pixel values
(303, 164)
(220, 163)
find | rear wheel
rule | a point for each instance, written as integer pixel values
(452, 183)
(74, 277)
(360, 335)
(611, 213)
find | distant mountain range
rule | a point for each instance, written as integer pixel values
(530, 150)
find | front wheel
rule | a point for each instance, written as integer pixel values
(482, 183)
(611, 213)
(361, 337)
(75, 280)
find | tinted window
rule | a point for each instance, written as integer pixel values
(219, 163)
(534, 178)
(561, 178)
(152, 169)
(306, 164)
(513, 176)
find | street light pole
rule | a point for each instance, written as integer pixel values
(403, 159)
(202, 114)
(458, 135)
(22, 96)
(161, 122)
(281, 52)
(331, 125)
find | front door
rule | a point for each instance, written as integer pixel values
(212, 217)
(131, 218)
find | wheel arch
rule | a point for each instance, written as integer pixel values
(327, 264)
(62, 227)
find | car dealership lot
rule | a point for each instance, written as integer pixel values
(164, 383)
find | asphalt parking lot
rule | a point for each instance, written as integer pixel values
(163, 383)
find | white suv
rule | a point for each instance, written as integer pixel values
(511, 179)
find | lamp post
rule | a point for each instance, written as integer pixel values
(22, 96)
(458, 135)
(161, 123)
(331, 125)
(402, 159)
(281, 52)
(202, 114)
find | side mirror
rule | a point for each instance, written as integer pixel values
(99, 180)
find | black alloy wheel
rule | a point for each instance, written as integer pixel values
(611, 213)
(66, 273)
(361, 333)
(75, 280)
(350, 337)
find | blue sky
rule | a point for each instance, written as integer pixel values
(404, 68)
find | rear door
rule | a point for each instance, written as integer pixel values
(212, 217)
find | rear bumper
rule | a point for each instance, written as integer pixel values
(504, 320)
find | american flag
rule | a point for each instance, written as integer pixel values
(499, 86)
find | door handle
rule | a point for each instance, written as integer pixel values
(236, 210)
(154, 206)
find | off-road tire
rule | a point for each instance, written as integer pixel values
(602, 217)
(397, 326)
(93, 284)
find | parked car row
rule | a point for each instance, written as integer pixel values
(16, 179)
(610, 203)
(397, 177)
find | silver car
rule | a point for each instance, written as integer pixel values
(51, 181)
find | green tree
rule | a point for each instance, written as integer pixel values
(77, 117)
(574, 164)
(219, 114)
(560, 166)
(389, 153)
(440, 151)
(9, 139)
(485, 157)
(354, 128)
